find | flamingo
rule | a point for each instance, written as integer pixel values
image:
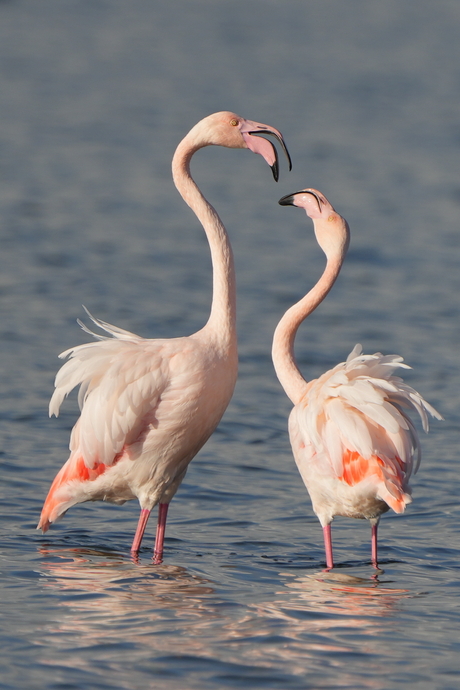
(352, 439)
(148, 406)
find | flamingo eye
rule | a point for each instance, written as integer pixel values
(233, 122)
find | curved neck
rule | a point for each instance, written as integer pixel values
(283, 341)
(222, 319)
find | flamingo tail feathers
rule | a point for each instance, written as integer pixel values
(388, 473)
(60, 496)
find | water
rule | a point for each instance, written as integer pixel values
(94, 98)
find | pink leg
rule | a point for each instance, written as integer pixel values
(160, 536)
(374, 545)
(141, 525)
(328, 546)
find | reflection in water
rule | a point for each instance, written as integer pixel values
(110, 610)
(329, 616)
(362, 601)
(113, 613)
(121, 589)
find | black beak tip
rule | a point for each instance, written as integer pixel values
(286, 200)
(275, 166)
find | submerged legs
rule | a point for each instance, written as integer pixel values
(374, 526)
(328, 546)
(160, 535)
(141, 525)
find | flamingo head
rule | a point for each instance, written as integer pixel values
(231, 130)
(331, 230)
(315, 204)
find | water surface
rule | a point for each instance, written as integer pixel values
(94, 98)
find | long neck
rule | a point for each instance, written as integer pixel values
(283, 341)
(222, 319)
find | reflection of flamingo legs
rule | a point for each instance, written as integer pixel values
(353, 442)
(148, 406)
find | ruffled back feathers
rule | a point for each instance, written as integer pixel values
(358, 411)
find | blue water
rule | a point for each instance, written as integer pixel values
(94, 97)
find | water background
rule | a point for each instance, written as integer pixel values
(94, 97)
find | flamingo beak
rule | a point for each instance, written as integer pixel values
(257, 144)
(288, 200)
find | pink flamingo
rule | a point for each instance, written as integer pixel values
(352, 440)
(148, 406)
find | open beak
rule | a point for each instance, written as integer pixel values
(253, 133)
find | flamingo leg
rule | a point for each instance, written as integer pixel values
(374, 544)
(328, 546)
(160, 535)
(141, 525)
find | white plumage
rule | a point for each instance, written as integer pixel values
(352, 438)
(359, 405)
(148, 406)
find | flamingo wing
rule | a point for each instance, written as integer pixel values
(355, 416)
(121, 381)
(130, 388)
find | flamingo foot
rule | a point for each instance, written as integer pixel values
(141, 525)
(160, 535)
(328, 546)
